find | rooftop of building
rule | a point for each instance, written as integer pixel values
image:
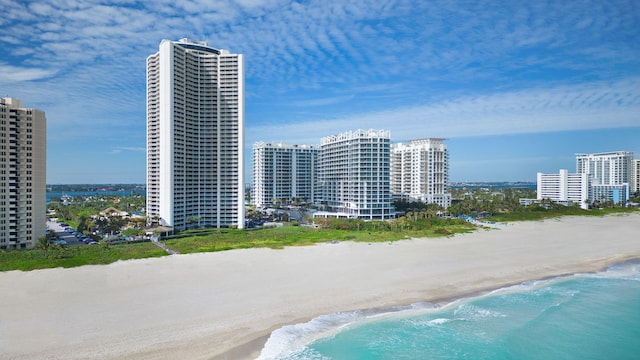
(262, 144)
(191, 44)
(357, 134)
(608, 153)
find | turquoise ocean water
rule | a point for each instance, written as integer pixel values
(584, 316)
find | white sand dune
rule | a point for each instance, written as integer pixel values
(223, 305)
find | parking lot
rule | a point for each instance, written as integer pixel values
(66, 235)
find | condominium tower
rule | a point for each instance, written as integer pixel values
(609, 168)
(283, 173)
(564, 188)
(609, 174)
(195, 136)
(23, 144)
(420, 171)
(635, 173)
(354, 174)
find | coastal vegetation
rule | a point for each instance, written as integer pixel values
(414, 225)
(208, 240)
(417, 221)
(81, 213)
(52, 256)
(503, 205)
(540, 212)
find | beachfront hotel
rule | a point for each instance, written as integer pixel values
(564, 188)
(420, 171)
(354, 175)
(195, 136)
(608, 168)
(610, 174)
(284, 173)
(635, 176)
(23, 146)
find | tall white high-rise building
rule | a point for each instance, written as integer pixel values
(609, 174)
(283, 173)
(23, 166)
(354, 174)
(420, 171)
(609, 168)
(195, 136)
(564, 188)
(635, 176)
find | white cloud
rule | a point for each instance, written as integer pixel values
(579, 107)
(120, 149)
(10, 74)
(318, 67)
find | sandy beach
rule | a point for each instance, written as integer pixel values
(224, 305)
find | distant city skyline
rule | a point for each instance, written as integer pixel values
(516, 88)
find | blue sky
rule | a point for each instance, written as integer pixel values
(517, 87)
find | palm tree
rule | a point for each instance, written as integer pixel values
(192, 221)
(43, 243)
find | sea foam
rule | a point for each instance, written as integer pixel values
(291, 338)
(288, 341)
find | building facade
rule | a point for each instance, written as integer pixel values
(610, 168)
(23, 144)
(564, 188)
(609, 173)
(420, 171)
(354, 175)
(284, 173)
(635, 176)
(195, 136)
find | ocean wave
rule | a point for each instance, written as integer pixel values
(629, 270)
(292, 338)
(438, 321)
(472, 312)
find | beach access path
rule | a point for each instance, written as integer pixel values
(223, 305)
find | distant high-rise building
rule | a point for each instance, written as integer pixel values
(635, 181)
(609, 174)
(609, 168)
(195, 136)
(564, 188)
(283, 173)
(23, 144)
(420, 171)
(354, 174)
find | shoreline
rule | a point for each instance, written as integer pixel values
(252, 349)
(225, 305)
